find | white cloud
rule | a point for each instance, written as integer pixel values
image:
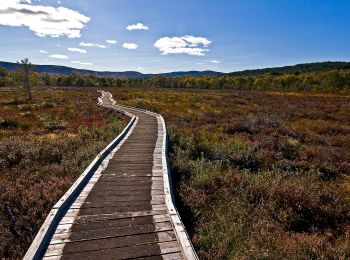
(43, 20)
(208, 62)
(130, 46)
(77, 50)
(43, 51)
(190, 45)
(88, 44)
(82, 63)
(138, 26)
(58, 56)
(111, 41)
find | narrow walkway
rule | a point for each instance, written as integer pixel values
(124, 214)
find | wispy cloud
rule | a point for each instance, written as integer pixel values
(208, 62)
(59, 56)
(138, 26)
(130, 46)
(77, 50)
(43, 20)
(82, 63)
(111, 41)
(43, 51)
(89, 44)
(190, 45)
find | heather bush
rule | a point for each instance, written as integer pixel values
(232, 212)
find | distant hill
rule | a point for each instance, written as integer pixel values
(54, 69)
(190, 73)
(295, 69)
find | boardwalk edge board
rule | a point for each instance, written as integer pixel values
(44, 235)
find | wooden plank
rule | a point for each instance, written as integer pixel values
(64, 236)
(89, 225)
(125, 197)
(137, 251)
(131, 187)
(171, 256)
(112, 242)
(113, 203)
(124, 192)
(103, 218)
(123, 214)
(85, 210)
(109, 210)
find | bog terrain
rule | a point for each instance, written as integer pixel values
(257, 174)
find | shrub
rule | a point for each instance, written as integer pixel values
(8, 123)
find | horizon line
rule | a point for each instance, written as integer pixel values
(177, 71)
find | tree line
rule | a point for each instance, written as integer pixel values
(327, 81)
(296, 69)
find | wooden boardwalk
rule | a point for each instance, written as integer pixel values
(123, 211)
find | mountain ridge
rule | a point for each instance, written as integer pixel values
(293, 69)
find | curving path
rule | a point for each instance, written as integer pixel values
(125, 210)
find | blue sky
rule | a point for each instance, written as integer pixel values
(164, 35)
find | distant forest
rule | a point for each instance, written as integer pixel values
(327, 76)
(296, 69)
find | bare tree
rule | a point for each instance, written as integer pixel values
(25, 68)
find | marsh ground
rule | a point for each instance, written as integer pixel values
(258, 174)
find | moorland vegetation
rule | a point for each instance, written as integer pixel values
(258, 175)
